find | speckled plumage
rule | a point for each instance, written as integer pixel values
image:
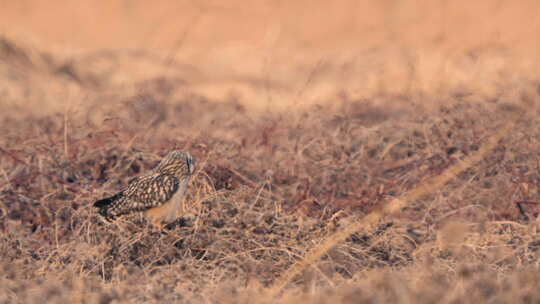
(158, 194)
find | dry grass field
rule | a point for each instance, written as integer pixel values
(346, 152)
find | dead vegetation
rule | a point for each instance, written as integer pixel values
(268, 189)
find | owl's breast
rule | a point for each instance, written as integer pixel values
(168, 211)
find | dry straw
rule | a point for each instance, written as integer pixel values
(390, 208)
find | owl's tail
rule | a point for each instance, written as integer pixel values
(103, 205)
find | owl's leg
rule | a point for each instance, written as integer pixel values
(157, 226)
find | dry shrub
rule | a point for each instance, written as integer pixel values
(270, 189)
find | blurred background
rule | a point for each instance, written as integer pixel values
(283, 53)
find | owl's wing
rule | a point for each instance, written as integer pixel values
(144, 193)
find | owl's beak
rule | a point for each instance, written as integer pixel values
(190, 164)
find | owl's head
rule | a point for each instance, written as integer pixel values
(178, 163)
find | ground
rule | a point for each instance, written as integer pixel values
(396, 173)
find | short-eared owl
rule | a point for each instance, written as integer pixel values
(158, 193)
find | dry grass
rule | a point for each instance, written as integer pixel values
(402, 193)
(393, 207)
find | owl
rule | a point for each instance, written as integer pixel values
(158, 194)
